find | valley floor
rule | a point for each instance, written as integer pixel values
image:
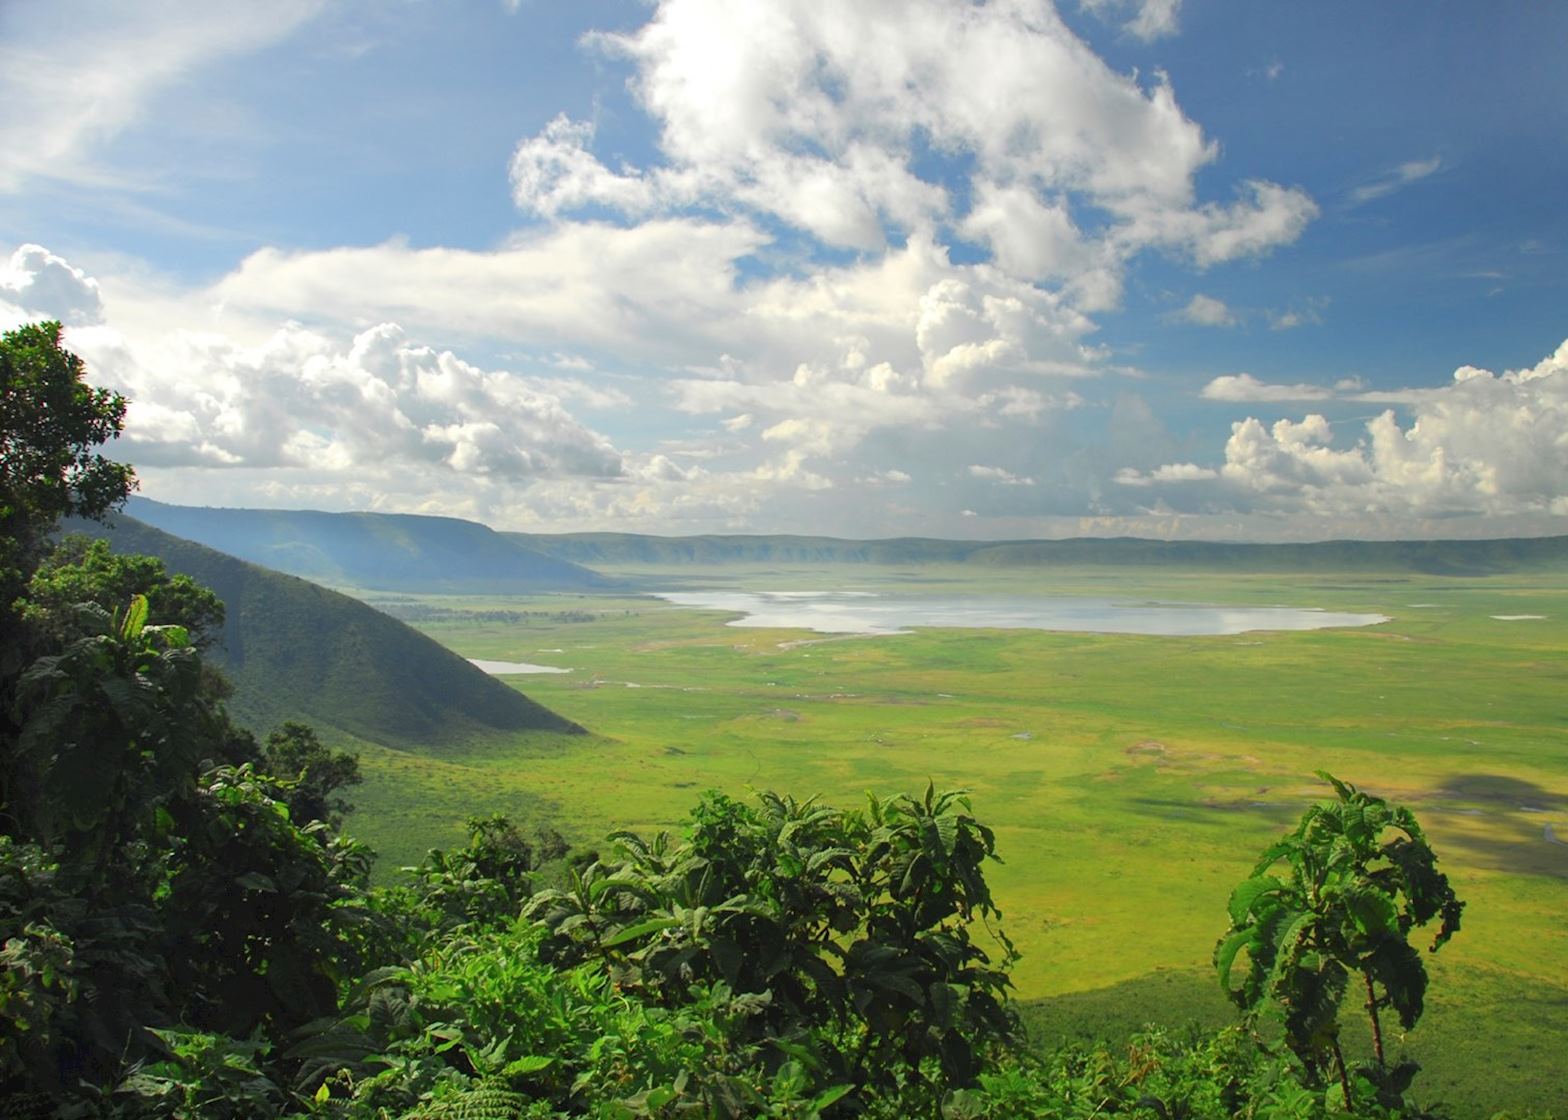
(1131, 780)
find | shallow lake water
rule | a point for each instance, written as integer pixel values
(864, 612)
(510, 668)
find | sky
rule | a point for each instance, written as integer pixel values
(1167, 268)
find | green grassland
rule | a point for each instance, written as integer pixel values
(1131, 780)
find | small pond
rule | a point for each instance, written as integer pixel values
(862, 612)
(509, 668)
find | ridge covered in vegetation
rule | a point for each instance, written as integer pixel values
(295, 650)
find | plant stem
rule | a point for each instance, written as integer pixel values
(1377, 1028)
(1344, 1079)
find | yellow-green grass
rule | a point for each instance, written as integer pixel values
(1131, 780)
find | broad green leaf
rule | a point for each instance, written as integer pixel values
(533, 1063)
(1373, 912)
(1225, 954)
(641, 929)
(1248, 892)
(135, 618)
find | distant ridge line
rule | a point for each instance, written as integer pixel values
(381, 551)
(1437, 557)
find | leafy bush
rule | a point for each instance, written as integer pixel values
(1359, 877)
(854, 927)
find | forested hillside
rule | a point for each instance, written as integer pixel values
(385, 552)
(1454, 557)
(295, 650)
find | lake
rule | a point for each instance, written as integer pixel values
(864, 612)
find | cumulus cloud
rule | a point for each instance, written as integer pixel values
(1264, 216)
(905, 339)
(782, 110)
(1206, 311)
(301, 400)
(991, 125)
(1484, 444)
(554, 171)
(36, 284)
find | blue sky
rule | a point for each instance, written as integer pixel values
(1160, 267)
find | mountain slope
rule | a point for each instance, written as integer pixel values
(389, 552)
(298, 651)
(1479, 557)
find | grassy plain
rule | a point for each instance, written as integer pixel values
(1131, 780)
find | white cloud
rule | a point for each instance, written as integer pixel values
(784, 110)
(1245, 387)
(1027, 237)
(1206, 311)
(600, 398)
(906, 339)
(554, 171)
(672, 285)
(891, 477)
(1402, 176)
(58, 105)
(1155, 19)
(1487, 444)
(999, 475)
(1264, 216)
(644, 291)
(1170, 472)
(1146, 19)
(301, 400)
(37, 284)
(1311, 314)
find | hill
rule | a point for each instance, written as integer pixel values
(298, 651)
(1453, 557)
(383, 551)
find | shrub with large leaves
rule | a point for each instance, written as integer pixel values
(1334, 902)
(152, 876)
(853, 929)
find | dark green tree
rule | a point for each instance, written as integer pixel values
(82, 570)
(152, 882)
(1331, 904)
(316, 774)
(152, 878)
(51, 426)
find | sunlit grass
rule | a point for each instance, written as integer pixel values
(1131, 780)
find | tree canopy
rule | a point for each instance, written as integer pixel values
(51, 426)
